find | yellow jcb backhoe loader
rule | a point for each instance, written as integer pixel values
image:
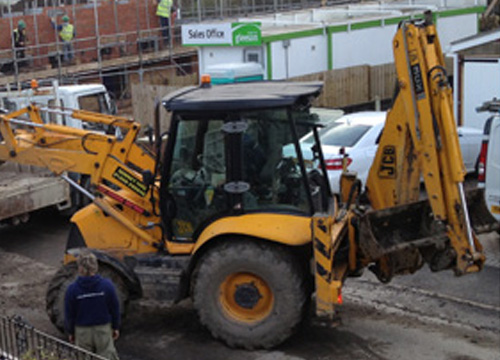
(248, 230)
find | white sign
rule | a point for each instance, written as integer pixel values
(207, 34)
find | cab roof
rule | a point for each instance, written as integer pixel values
(242, 96)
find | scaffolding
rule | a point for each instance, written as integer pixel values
(110, 35)
(114, 37)
(112, 29)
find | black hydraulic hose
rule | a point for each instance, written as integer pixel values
(87, 150)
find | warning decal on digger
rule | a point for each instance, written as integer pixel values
(416, 74)
(387, 167)
(418, 82)
(130, 181)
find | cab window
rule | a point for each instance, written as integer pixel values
(273, 174)
(95, 103)
(197, 175)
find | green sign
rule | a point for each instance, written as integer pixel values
(224, 34)
(246, 34)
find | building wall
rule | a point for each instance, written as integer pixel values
(480, 83)
(372, 46)
(132, 15)
(342, 46)
(301, 56)
(218, 55)
(455, 28)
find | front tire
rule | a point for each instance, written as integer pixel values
(250, 294)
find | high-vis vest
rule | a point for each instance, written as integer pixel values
(16, 35)
(66, 32)
(163, 8)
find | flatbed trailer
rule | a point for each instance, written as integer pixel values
(24, 189)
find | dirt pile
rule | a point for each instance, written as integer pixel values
(23, 283)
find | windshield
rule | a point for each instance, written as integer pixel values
(344, 135)
(94, 102)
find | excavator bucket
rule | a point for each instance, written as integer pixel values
(401, 238)
(420, 141)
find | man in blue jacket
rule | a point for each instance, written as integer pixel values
(92, 310)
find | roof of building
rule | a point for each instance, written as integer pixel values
(473, 41)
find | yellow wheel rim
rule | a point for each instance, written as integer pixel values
(246, 297)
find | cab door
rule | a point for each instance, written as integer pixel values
(196, 177)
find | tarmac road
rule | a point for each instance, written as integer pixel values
(426, 316)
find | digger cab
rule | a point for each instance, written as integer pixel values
(234, 149)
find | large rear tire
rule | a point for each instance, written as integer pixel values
(64, 277)
(248, 294)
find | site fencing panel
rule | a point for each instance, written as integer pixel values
(21, 341)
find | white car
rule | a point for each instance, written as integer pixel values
(359, 133)
(489, 164)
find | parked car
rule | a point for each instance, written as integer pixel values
(489, 162)
(326, 119)
(359, 133)
(327, 116)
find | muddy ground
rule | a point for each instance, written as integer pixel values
(427, 316)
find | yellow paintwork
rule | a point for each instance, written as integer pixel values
(329, 276)
(285, 229)
(122, 231)
(69, 149)
(409, 147)
(106, 226)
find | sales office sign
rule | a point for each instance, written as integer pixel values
(226, 34)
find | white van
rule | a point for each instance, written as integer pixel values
(24, 188)
(91, 97)
(489, 159)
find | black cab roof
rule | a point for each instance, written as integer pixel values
(242, 96)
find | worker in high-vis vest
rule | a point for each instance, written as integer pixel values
(20, 40)
(66, 34)
(164, 11)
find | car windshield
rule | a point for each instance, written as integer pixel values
(344, 134)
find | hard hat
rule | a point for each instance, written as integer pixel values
(65, 18)
(21, 24)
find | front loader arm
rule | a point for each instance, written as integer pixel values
(25, 139)
(63, 148)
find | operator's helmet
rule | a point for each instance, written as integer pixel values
(21, 25)
(65, 18)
